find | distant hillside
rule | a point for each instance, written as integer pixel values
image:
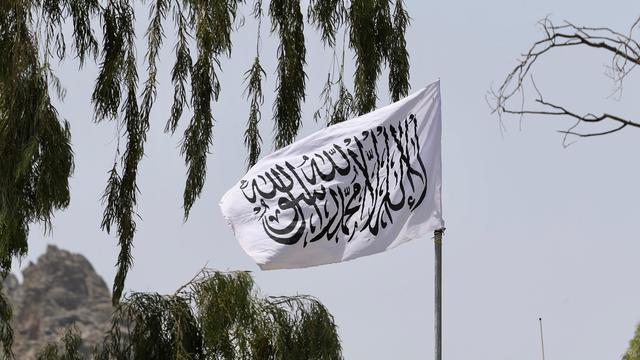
(60, 289)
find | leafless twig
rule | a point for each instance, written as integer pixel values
(625, 51)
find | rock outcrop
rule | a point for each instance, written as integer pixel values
(58, 290)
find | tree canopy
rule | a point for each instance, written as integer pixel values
(633, 352)
(215, 316)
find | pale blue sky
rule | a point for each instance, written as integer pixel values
(533, 229)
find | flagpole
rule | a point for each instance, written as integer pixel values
(437, 240)
(541, 338)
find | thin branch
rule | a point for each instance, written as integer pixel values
(595, 133)
(625, 52)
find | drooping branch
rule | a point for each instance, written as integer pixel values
(371, 33)
(327, 16)
(252, 138)
(214, 22)
(181, 70)
(344, 107)
(335, 106)
(287, 20)
(115, 97)
(625, 56)
(254, 77)
(398, 55)
(36, 159)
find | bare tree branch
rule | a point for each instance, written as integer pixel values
(625, 52)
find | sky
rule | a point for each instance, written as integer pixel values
(534, 229)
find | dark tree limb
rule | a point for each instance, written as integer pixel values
(625, 56)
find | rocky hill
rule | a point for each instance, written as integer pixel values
(58, 290)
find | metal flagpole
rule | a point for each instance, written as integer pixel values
(437, 239)
(541, 338)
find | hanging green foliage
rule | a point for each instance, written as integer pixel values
(215, 316)
(633, 352)
(370, 38)
(343, 108)
(213, 21)
(328, 16)
(115, 93)
(6, 332)
(36, 158)
(68, 349)
(252, 138)
(398, 55)
(287, 20)
(182, 68)
(254, 77)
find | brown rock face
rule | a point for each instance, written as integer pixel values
(59, 290)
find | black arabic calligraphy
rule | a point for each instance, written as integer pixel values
(359, 185)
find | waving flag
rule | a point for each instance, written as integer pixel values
(353, 189)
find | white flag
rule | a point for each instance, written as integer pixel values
(353, 189)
